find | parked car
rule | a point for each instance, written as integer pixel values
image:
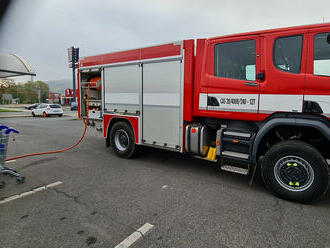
(45, 110)
(32, 106)
(74, 106)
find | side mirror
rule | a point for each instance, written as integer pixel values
(260, 76)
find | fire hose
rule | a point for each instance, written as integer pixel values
(61, 150)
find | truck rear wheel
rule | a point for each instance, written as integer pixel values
(122, 140)
(296, 171)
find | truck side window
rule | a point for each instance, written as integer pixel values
(287, 53)
(236, 60)
(322, 54)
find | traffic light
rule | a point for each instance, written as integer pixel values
(75, 55)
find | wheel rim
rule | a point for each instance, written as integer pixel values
(294, 173)
(121, 139)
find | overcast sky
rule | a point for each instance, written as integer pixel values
(42, 30)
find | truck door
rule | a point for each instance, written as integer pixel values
(317, 91)
(284, 63)
(232, 88)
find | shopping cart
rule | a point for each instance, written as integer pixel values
(4, 170)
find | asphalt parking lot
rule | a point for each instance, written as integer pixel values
(103, 199)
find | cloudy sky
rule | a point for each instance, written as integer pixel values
(42, 30)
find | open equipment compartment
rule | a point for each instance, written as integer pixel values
(94, 78)
(145, 86)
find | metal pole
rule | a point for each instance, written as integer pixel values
(74, 80)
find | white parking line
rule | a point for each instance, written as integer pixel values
(131, 239)
(10, 161)
(31, 192)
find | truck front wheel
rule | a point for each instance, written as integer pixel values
(122, 140)
(295, 171)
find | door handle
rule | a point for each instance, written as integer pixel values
(251, 84)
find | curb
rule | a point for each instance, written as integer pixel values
(13, 116)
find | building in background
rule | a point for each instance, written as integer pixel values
(55, 97)
(67, 98)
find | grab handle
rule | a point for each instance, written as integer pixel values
(3, 127)
(9, 130)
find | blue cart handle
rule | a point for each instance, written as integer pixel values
(3, 127)
(9, 130)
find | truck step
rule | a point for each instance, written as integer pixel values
(235, 154)
(234, 169)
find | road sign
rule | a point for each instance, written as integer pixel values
(70, 53)
(73, 57)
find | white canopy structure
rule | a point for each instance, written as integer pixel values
(13, 65)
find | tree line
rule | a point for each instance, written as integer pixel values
(28, 92)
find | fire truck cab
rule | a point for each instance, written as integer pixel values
(244, 101)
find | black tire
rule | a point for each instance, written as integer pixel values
(310, 184)
(33, 114)
(122, 129)
(107, 141)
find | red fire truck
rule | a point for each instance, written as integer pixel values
(246, 101)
